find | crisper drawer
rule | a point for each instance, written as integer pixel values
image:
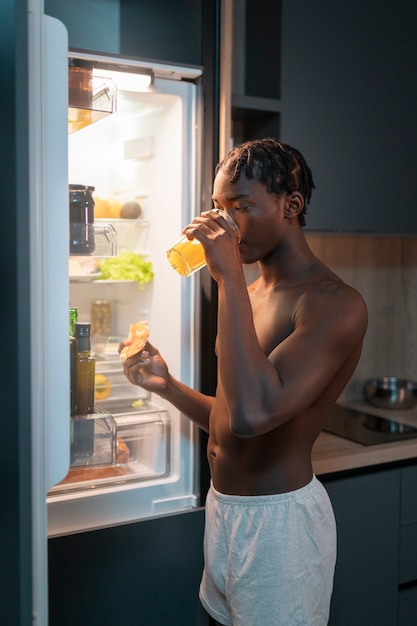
(139, 450)
(408, 554)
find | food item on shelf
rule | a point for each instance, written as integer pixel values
(102, 387)
(82, 267)
(130, 210)
(109, 208)
(122, 452)
(126, 266)
(101, 317)
(81, 219)
(138, 336)
(114, 208)
(101, 207)
(86, 366)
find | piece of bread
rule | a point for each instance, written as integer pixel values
(138, 336)
(122, 452)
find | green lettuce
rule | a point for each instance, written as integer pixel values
(126, 266)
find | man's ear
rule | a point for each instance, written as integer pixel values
(294, 204)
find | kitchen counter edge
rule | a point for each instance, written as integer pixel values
(332, 454)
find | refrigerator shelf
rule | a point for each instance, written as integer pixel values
(123, 405)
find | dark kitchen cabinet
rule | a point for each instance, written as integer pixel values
(159, 30)
(256, 69)
(407, 608)
(92, 26)
(348, 101)
(376, 571)
(163, 30)
(145, 573)
(367, 511)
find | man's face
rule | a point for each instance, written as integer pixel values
(258, 214)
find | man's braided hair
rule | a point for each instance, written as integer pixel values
(279, 166)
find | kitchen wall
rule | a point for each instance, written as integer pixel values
(384, 270)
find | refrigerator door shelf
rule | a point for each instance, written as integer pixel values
(132, 234)
(103, 104)
(141, 452)
(93, 440)
(105, 239)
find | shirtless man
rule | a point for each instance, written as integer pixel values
(287, 345)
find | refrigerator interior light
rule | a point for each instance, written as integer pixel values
(129, 81)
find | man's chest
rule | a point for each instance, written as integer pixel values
(273, 320)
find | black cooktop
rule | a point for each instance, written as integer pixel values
(366, 428)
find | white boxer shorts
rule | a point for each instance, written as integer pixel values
(269, 560)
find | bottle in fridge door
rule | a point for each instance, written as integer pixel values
(142, 161)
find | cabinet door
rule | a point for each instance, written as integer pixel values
(409, 495)
(348, 100)
(407, 607)
(92, 25)
(163, 30)
(146, 573)
(160, 30)
(366, 578)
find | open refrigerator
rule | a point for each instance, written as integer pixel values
(142, 460)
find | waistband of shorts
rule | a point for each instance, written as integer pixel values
(297, 494)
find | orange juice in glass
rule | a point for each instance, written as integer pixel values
(187, 255)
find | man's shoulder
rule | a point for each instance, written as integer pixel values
(332, 298)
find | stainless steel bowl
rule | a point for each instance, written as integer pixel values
(391, 392)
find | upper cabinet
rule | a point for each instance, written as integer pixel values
(160, 30)
(163, 30)
(92, 25)
(349, 103)
(255, 94)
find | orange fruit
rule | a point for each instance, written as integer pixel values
(101, 207)
(114, 208)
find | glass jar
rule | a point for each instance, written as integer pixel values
(80, 81)
(81, 219)
(101, 318)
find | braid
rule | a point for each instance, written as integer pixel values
(279, 166)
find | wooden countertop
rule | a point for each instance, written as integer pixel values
(336, 454)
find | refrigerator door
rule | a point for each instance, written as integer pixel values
(146, 153)
(48, 176)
